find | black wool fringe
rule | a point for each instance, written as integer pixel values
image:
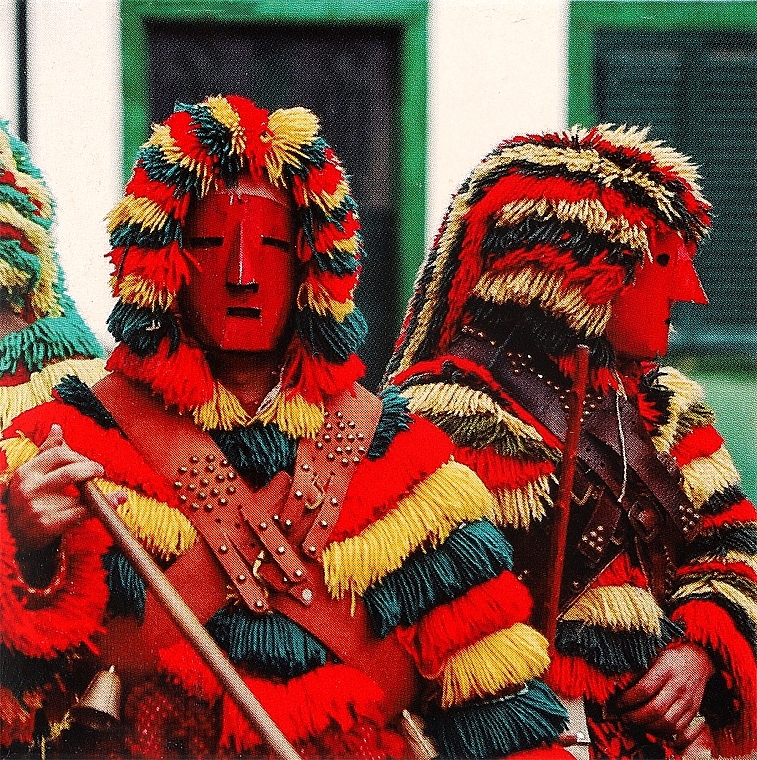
(75, 392)
(128, 593)
(738, 537)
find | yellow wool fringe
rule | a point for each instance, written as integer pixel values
(519, 287)
(290, 129)
(224, 113)
(294, 416)
(162, 530)
(451, 495)
(145, 293)
(521, 507)
(12, 278)
(328, 202)
(713, 584)
(350, 245)
(436, 398)
(222, 412)
(500, 661)
(322, 304)
(705, 475)
(15, 399)
(33, 187)
(621, 608)
(134, 209)
(18, 451)
(161, 138)
(686, 393)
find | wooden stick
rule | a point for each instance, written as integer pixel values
(564, 491)
(189, 625)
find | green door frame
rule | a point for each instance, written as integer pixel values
(586, 16)
(410, 16)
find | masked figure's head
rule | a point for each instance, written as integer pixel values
(237, 232)
(549, 235)
(31, 281)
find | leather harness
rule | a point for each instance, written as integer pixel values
(654, 505)
(268, 542)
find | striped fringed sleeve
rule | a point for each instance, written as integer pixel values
(716, 589)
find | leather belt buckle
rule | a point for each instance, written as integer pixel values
(645, 519)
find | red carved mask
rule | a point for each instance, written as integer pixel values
(241, 297)
(639, 327)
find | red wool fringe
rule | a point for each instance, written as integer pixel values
(710, 626)
(574, 678)
(325, 235)
(313, 377)
(305, 707)
(336, 287)
(700, 442)
(449, 628)
(182, 129)
(183, 378)
(141, 186)
(73, 613)
(739, 568)
(167, 268)
(619, 572)
(378, 484)
(499, 471)
(187, 669)
(554, 752)
(8, 232)
(741, 512)
(254, 121)
(16, 723)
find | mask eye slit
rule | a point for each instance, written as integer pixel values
(284, 245)
(205, 242)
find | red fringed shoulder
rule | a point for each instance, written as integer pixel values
(501, 472)
(378, 484)
(700, 442)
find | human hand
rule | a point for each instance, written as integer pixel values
(43, 500)
(667, 698)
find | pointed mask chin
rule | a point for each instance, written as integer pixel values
(243, 292)
(639, 327)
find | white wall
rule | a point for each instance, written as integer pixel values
(496, 68)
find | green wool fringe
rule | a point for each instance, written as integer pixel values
(335, 341)
(134, 234)
(499, 727)
(270, 644)
(471, 555)
(46, 340)
(73, 391)
(142, 329)
(614, 652)
(394, 417)
(128, 594)
(258, 451)
(174, 175)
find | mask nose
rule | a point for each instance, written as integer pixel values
(686, 285)
(239, 270)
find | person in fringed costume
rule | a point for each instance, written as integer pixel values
(42, 340)
(587, 237)
(334, 549)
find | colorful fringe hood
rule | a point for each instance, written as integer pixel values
(541, 237)
(206, 146)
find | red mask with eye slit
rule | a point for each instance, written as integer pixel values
(639, 327)
(244, 290)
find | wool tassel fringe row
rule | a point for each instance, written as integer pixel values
(292, 128)
(326, 336)
(75, 391)
(718, 544)
(572, 677)
(522, 507)
(614, 652)
(449, 496)
(621, 608)
(223, 412)
(294, 416)
(128, 593)
(686, 395)
(473, 554)
(498, 727)
(259, 451)
(163, 530)
(15, 399)
(704, 476)
(270, 645)
(394, 417)
(718, 587)
(142, 330)
(18, 450)
(499, 661)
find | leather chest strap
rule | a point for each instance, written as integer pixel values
(599, 431)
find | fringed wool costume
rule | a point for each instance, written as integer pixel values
(44, 340)
(413, 550)
(540, 238)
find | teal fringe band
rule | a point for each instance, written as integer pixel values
(472, 554)
(614, 652)
(46, 340)
(394, 417)
(258, 451)
(142, 329)
(499, 727)
(127, 590)
(271, 644)
(335, 341)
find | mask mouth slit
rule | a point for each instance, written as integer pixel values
(250, 312)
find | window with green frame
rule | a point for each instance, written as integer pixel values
(360, 66)
(689, 71)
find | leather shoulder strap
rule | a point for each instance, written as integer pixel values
(600, 445)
